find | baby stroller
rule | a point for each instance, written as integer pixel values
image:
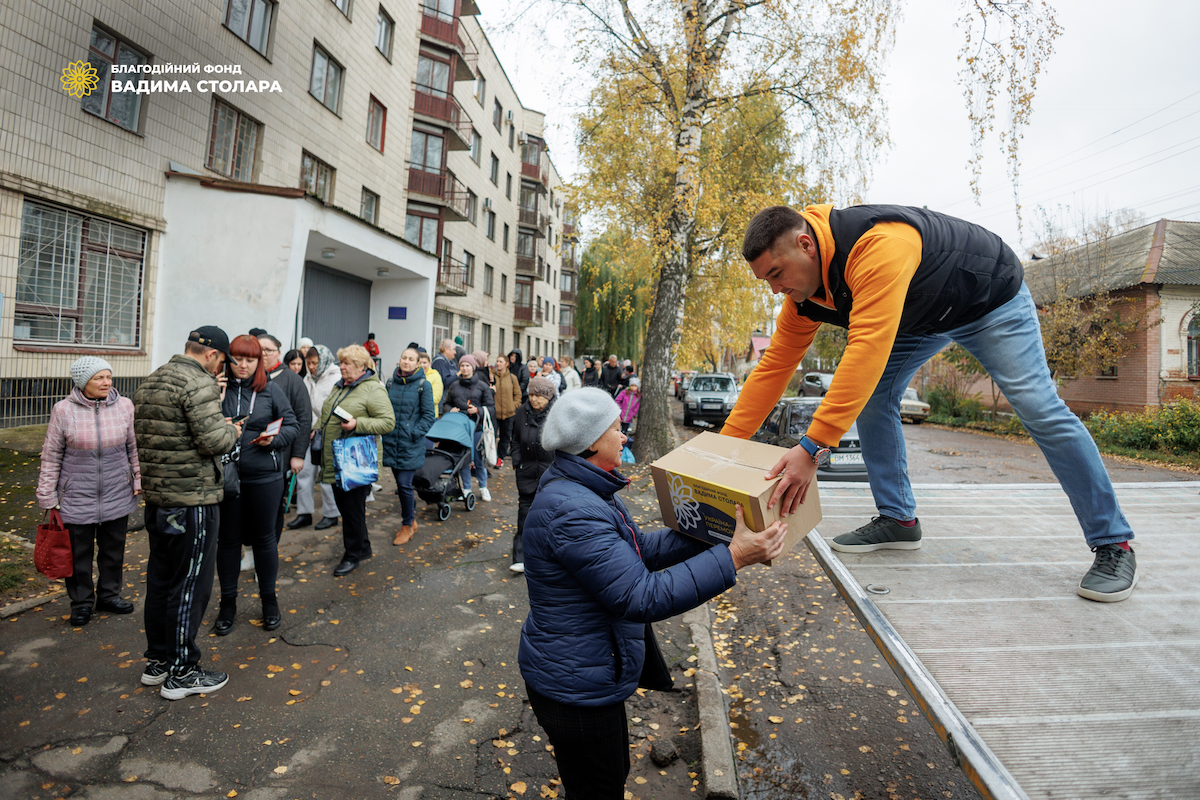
(440, 480)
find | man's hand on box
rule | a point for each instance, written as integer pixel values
(754, 547)
(798, 471)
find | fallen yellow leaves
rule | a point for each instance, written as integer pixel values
(232, 793)
(776, 720)
(640, 780)
(519, 787)
(865, 749)
(293, 692)
(467, 684)
(82, 680)
(391, 780)
(280, 770)
(417, 744)
(60, 695)
(168, 733)
(274, 668)
(244, 698)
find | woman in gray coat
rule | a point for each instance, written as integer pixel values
(90, 471)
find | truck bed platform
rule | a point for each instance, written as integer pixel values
(1038, 693)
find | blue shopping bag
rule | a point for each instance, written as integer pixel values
(627, 456)
(355, 462)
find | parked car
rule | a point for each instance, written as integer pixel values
(789, 421)
(816, 384)
(912, 408)
(682, 379)
(710, 396)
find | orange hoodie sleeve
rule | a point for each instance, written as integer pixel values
(878, 272)
(764, 387)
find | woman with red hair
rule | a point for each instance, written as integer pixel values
(252, 502)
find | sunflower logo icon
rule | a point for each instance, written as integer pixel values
(687, 510)
(79, 79)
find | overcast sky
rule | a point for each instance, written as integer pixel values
(1116, 120)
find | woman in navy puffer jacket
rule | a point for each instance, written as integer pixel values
(404, 445)
(595, 580)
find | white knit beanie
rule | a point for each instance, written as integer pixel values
(85, 367)
(577, 419)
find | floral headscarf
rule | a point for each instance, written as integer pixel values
(325, 358)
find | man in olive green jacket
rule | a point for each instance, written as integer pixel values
(181, 435)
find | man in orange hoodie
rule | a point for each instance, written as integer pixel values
(906, 282)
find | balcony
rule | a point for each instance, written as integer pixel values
(566, 297)
(528, 265)
(530, 218)
(441, 188)
(451, 278)
(529, 316)
(536, 172)
(566, 331)
(443, 110)
(443, 29)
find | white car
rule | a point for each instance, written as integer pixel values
(912, 408)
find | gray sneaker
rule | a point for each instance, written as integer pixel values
(155, 674)
(881, 533)
(1112, 576)
(198, 681)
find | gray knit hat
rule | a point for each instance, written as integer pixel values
(578, 419)
(85, 367)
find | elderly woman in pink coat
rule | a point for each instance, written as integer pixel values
(90, 472)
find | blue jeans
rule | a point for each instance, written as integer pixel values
(404, 488)
(1008, 342)
(477, 461)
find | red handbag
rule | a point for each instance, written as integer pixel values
(52, 550)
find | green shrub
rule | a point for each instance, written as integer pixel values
(945, 403)
(1173, 428)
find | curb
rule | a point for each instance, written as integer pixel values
(720, 773)
(28, 603)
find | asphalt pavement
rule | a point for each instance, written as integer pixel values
(400, 680)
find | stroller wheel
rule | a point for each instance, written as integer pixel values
(469, 500)
(443, 512)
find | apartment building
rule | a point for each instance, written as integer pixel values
(257, 163)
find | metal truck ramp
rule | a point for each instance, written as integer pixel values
(1038, 693)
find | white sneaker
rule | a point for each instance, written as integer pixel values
(486, 495)
(517, 566)
(248, 561)
(377, 487)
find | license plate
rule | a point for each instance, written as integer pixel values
(846, 458)
(710, 405)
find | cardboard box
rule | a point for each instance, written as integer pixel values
(700, 483)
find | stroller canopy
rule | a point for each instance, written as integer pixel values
(454, 427)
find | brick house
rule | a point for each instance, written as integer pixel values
(1156, 264)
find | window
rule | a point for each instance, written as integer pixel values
(489, 278)
(250, 20)
(485, 337)
(316, 177)
(508, 186)
(325, 83)
(497, 114)
(516, 340)
(1111, 372)
(503, 288)
(233, 142)
(426, 152)
(472, 208)
(433, 77)
(494, 172)
(368, 209)
(421, 229)
(566, 315)
(376, 123)
(480, 88)
(343, 6)
(442, 321)
(512, 133)
(506, 237)
(121, 108)
(526, 247)
(476, 143)
(468, 268)
(501, 343)
(1193, 347)
(383, 34)
(466, 330)
(79, 279)
(490, 217)
(523, 293)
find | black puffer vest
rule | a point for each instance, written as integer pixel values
(965, 272)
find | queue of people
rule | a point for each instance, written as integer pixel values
(226, 433)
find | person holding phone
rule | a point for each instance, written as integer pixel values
(249, 515)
